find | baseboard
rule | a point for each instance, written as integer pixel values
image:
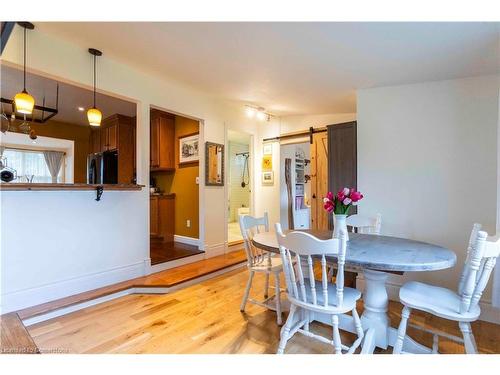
(215, 250)
(63, 288)
(176, 263)
(488, 312)
(235, 247)
(187, 240)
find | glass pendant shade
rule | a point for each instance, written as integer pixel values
(24, 103)
(94, 116)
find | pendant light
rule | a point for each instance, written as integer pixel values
(93, 114)
(23, 101)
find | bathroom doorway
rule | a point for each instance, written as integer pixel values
(239, 183)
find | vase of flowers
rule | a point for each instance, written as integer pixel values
(339, 206)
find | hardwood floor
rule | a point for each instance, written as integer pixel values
(167, 278)
(205, 318)
(14, 338)
(162, 252)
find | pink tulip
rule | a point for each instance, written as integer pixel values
(346, 201)
(329, 195)
(356, 196)
(329, 206)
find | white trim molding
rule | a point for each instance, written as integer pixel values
(488, 312)
(21, 299)
(187, 240)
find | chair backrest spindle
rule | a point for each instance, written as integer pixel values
(481, 260)
(250, 226)
(305, 248)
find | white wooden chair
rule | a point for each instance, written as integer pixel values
(462, 307)
(307, 295)
(365, 224)
(260, 261)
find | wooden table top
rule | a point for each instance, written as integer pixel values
(381, 253)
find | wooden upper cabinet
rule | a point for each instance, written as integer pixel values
(117, 133)
(95, 141)
(112, 136)
(162, 143)
(154, 158)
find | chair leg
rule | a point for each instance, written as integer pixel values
(398, 346)
(247, 292)
(279, 317)
(336, 335)
(469, 341)
(266, 287)
(285, 331)
(359, 331)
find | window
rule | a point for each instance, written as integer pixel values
(29, 163)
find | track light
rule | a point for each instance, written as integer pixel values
(258, 112)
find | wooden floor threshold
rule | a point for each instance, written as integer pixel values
(165, 279)
(15, 338)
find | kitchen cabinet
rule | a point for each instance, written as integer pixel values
(117, 133)
(109, 137)
(162, 141)
(162, 217)
(95, 141)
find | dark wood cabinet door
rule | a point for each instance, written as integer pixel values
(104, 139)
(154, 142)
(154, 221)
(112, 133)
(95, 141)
(166, 144)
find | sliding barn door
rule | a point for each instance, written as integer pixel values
(319, 180)
(343, 159)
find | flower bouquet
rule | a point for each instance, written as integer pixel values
(339, 205)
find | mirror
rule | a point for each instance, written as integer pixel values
(214, 164)
(56, 144)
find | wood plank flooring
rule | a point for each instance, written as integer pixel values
(14, 339)
(205, 318)
(167, 278)
(161, 252)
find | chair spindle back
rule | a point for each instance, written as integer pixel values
(249, 227)
(364, 224)
(304, 249)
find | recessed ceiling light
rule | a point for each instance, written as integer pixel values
(81, 109)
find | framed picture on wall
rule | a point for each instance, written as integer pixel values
(268, 178)
(188, 149)
(267, 163)
(214, 164)
(267, 149)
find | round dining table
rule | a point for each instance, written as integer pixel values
(376, 257)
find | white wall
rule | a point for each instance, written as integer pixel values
(35, 258)
(290, 124)
(427, 159)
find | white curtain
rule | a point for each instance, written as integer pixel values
(54, 161)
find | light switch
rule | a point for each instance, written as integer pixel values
(188, 223)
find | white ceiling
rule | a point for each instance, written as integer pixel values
(294, 68)
(70, 97)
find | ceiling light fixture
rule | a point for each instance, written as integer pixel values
(81, 109)
(257, 112)
(23, 101)
(93, 114)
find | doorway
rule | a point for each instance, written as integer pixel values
(239, 183)
(174, 187)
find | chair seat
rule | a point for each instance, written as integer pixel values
(351, 295)
(438, 301)
(275, 266)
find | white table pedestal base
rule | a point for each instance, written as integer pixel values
(375, 321)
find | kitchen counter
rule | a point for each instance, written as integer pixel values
(46, 187)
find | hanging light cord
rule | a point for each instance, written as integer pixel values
(94, 80)
(24, 89)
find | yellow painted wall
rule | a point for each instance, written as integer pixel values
(77, 133)
(182, 182)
